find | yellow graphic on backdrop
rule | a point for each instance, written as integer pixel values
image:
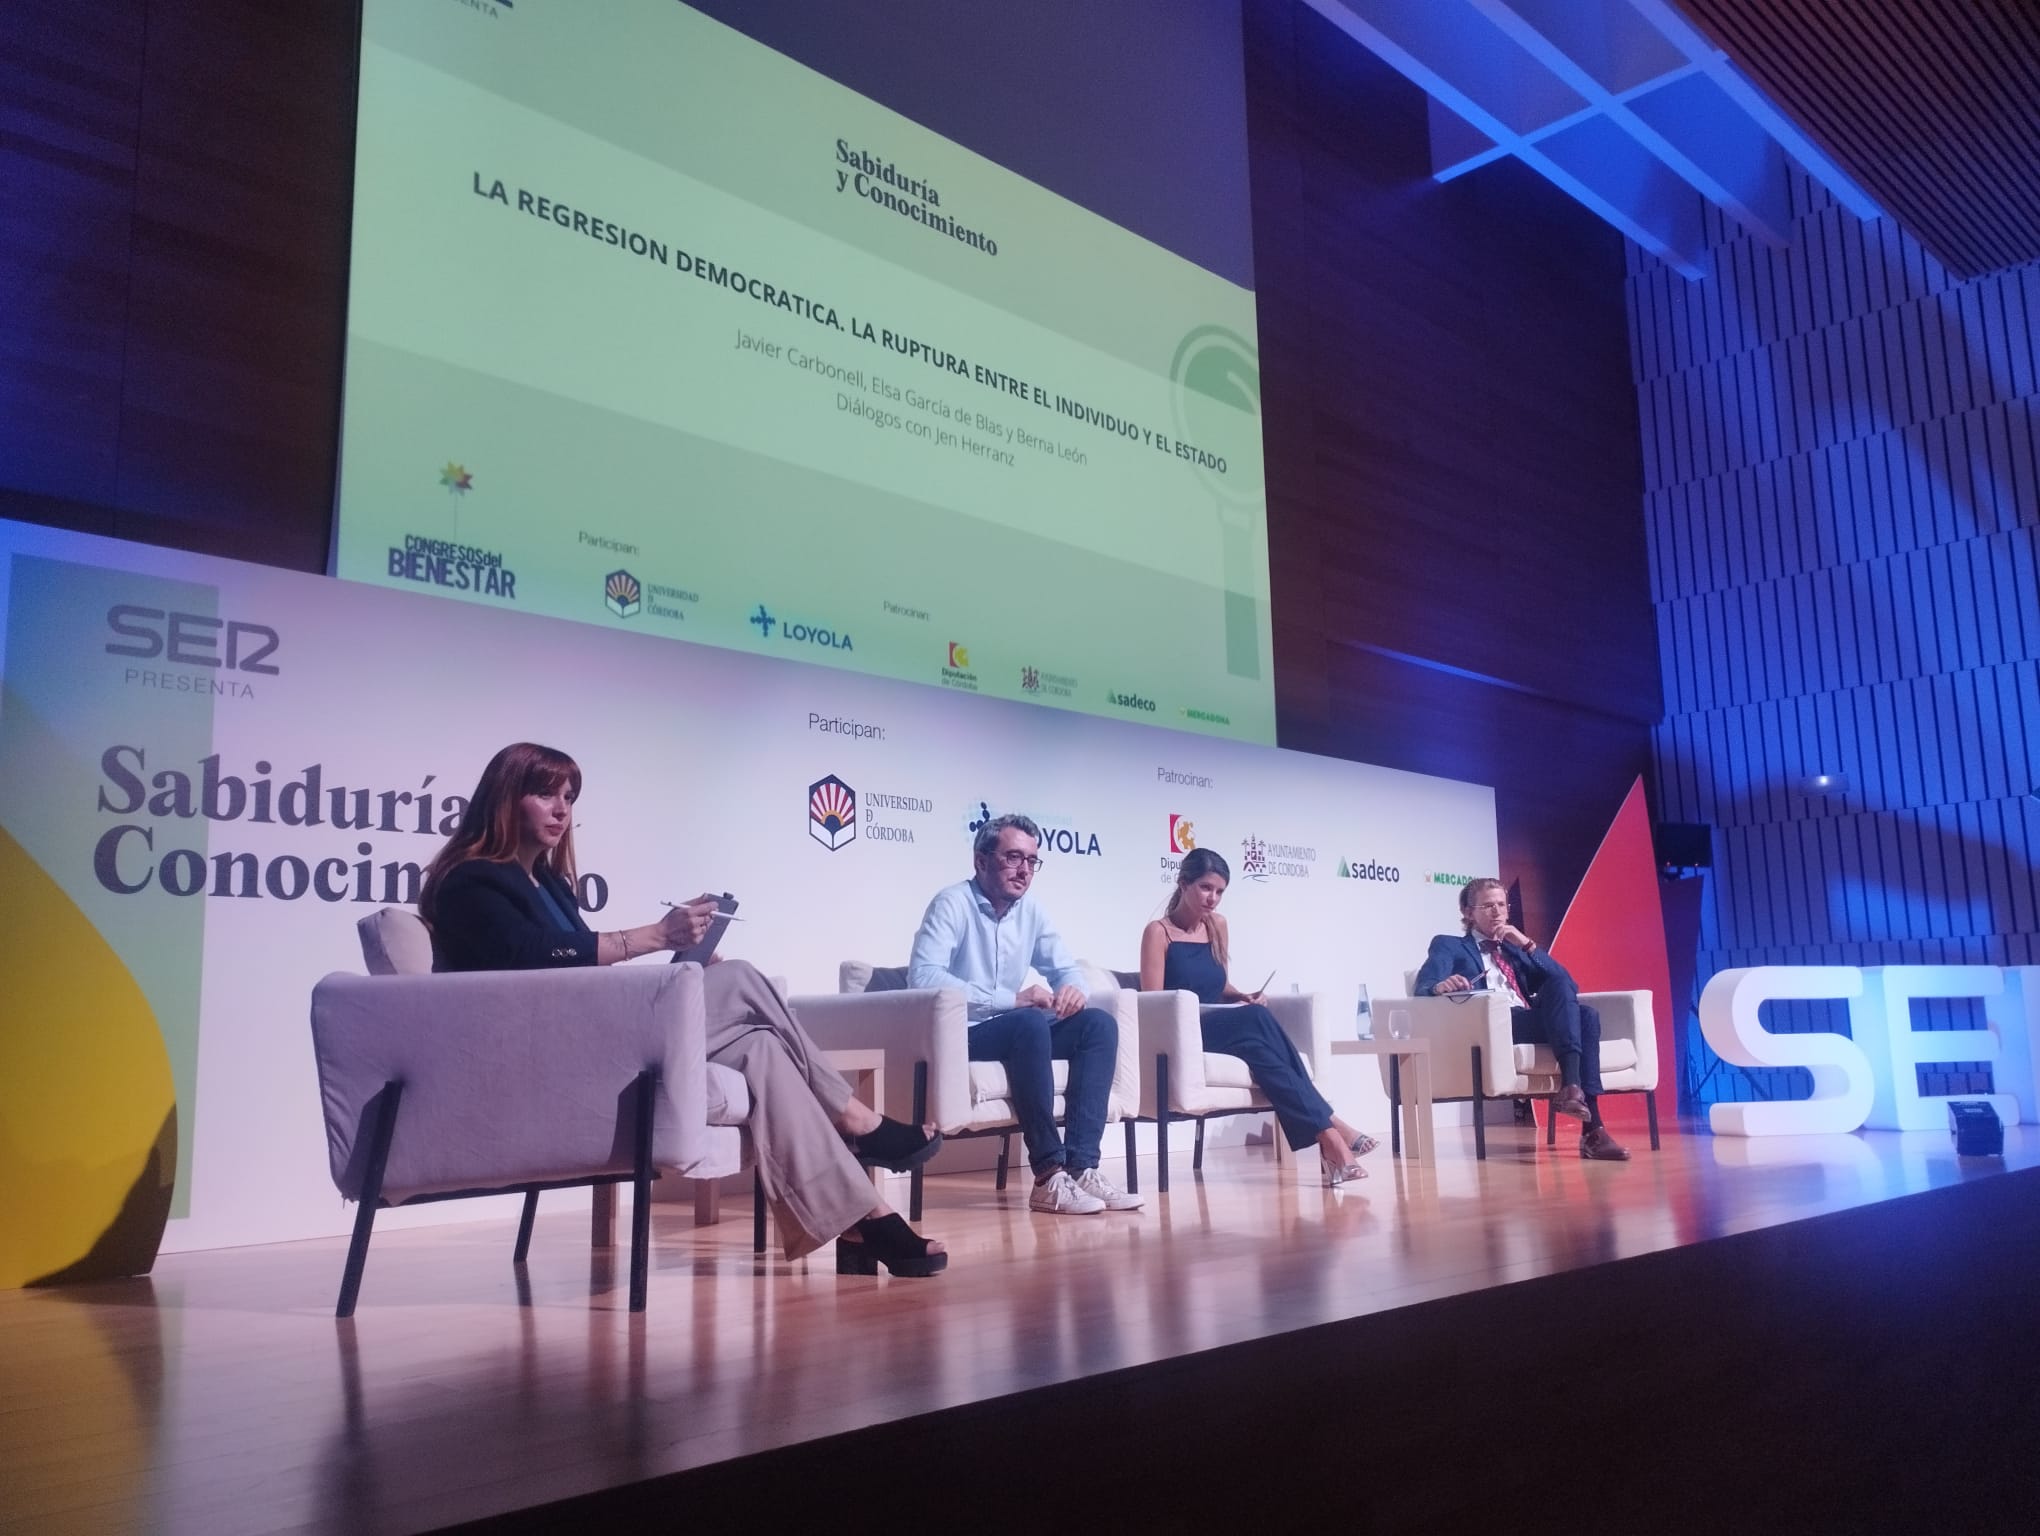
(87, 1104)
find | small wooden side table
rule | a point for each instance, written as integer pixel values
(1412, 1064)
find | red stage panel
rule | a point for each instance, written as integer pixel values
(1612, 939)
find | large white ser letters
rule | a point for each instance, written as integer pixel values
(1873, 1078)
(1881, 1022)
(1842, 1080)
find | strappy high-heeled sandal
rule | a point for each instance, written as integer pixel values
(1340, 1173)
(1363, 1143)
(895, 1145)
(887, 1240)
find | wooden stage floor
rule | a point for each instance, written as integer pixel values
(220, 1395)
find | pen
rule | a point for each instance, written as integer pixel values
(728, 917)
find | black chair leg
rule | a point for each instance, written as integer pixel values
(757, 1211)
(524, 1226)
(1162, 1124)
(371, 1197)
(1650, 1108)
(641, 1191)
(920, 1118)
(1551, 1122)
(1005, 1160)
(1197, 1150)
(1479, 1117)
(1395, 1106)
(1132, 1167)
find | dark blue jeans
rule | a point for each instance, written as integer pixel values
(1025, 1042)
(1250, 1032)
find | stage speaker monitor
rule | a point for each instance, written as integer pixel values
(1683, 844)
(1978, 1132)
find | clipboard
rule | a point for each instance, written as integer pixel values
(725, 908)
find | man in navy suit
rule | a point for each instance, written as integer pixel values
(1494, 955)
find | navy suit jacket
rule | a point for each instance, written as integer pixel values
(488, 917)
(1458, 954)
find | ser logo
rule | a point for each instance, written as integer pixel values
(192, 639)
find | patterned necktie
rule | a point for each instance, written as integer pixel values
(1494, 947)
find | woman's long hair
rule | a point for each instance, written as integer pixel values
(493, 825)
(1198, 863)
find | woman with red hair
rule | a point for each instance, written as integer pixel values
(500, 897)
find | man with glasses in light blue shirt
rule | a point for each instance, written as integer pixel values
(982, 935)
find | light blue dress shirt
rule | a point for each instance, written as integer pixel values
(961, 943)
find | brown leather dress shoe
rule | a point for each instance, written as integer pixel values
(1597, 1145)
(1571, 1101)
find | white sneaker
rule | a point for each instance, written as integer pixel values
(1059, 1195)
(1107, 1193)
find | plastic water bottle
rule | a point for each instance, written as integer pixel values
(1363, 1021)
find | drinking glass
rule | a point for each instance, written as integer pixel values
(1399, 1024)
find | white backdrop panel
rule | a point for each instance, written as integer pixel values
(699, 765)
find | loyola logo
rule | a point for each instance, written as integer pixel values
(798, 632)
(1057, 836)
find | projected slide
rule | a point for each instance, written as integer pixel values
(651, 326)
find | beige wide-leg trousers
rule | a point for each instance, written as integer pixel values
(813, 1182)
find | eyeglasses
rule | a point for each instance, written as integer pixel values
(1014, 859)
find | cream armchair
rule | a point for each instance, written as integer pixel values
(929, 1076)
(442, 1086)
(1181, 1080)
(1475, 1055)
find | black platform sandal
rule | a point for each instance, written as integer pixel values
(887, 1240)
(895, 1145)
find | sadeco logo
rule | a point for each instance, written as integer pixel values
(1131, 701)
(1057, 836)
(192, 639)
(799, 632)
(832, 813)
(621, 594)
(1367, 869)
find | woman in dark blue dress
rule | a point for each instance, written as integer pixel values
(1185, 949)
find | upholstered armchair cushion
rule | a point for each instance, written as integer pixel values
(931, 1025)
(910, 1025)
(513, 1077)
(1629, 1061)
(395, 942)
(1205, 1082)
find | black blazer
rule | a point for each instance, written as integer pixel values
(487, 917)
(1458, 954)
